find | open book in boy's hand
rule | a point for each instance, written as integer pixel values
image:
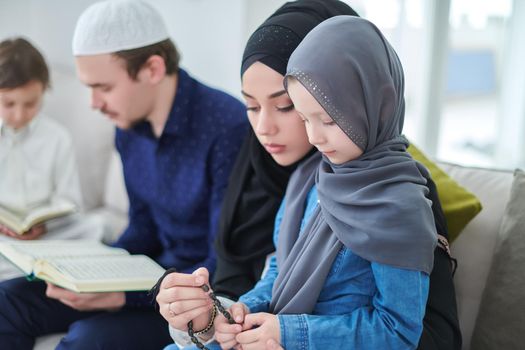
(83, 266)
(21, 221)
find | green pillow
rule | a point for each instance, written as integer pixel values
(459, 205)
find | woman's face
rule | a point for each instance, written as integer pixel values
(272, 115)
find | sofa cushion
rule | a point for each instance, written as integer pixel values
(501, 315)
(459, 205)
(474, 248)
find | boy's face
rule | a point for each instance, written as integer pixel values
(20, 105)
(322, 131)
(123, 100)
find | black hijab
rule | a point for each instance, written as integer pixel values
(257, 183)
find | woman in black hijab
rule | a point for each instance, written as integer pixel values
(258, 183)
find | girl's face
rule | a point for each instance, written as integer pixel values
(272, 115)
(322, 131)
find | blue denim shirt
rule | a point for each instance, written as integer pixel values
(363, 305)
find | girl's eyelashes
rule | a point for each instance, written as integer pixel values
(252, 109)
(329, 123)
(286, 108)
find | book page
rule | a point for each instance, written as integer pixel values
(11, 219)
(106, 273)
(108, 267)
(62, 248)
(22, 220)
(56, 208)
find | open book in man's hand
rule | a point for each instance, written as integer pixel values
(83, 266)
(22, 221)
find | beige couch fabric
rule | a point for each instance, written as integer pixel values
(501, 319)
(474, 248)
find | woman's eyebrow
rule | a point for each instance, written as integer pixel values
(277, 94)
(246, 94)
(273, 95)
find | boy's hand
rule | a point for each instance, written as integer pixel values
(267, 329)
(86, 301)
(33, 233)
(224, 332)
(181, 299)
(7, 231)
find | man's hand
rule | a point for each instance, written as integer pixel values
(181, 299)
(267, 328)
(87, 301)
(226, 333)
(33, 233)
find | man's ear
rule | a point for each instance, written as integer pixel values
(154, 69)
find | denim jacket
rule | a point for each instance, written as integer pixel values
(363, 305)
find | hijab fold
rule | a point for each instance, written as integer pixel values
(376, 204)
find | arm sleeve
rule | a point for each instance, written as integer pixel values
(222, 157)
(182, 339)
(140, 236)
(394, 319)
(441, 325)
(258, 299)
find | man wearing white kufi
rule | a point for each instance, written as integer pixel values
(178, 140)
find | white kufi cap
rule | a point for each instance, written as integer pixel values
(111, 26)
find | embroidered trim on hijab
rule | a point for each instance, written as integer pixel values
(275, 40)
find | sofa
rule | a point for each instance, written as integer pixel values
(102, 183)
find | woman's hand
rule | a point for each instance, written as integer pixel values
(181, 299)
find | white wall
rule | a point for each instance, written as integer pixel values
(210, 34)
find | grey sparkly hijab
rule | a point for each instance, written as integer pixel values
(375, 205)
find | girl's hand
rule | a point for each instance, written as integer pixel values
(273, 344)
(224, 332)
(267, 329)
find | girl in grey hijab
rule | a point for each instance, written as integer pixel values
(352, 269)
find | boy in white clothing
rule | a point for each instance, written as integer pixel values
(37, 160)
